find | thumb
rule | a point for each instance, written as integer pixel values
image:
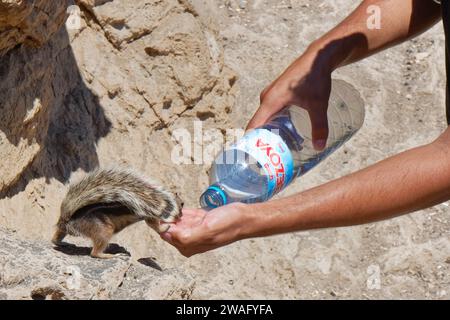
(263, 114)
(319, 124)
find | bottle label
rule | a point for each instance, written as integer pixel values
(272, 154)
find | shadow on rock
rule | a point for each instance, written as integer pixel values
(73, 250)
(149, 262)
(50, 121)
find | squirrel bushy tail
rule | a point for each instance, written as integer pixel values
(120, 186)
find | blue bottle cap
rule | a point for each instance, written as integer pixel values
(213, 197)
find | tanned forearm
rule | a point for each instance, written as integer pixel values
(352, 40)
(412, 180)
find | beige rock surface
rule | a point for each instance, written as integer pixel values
(32, 23)
(35, 270)
(115, 90)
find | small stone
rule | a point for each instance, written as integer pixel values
(422, 55)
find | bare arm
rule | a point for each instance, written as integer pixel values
(409, 181)
(412, 180)
(307, 81)
(353, 40)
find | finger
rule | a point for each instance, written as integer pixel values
(172, 229)
(178, 236)
(263, 114)
(166, 236)
(319, 124)
(175, 236)
(263, 93)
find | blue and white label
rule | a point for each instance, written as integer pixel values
(272, 154)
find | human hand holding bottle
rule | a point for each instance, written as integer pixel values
(305, 83)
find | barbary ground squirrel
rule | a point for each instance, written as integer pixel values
(108, 200)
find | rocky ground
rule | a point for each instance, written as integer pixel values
(135, 71)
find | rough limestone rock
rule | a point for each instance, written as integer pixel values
(34, 270)
(114, 91)
(31, 22)
(111, 91)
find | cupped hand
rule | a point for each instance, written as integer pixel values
(199, 230)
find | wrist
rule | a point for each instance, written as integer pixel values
(257, 220)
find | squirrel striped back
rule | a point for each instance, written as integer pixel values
(123, 187)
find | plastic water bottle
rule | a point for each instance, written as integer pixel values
(266, 160)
